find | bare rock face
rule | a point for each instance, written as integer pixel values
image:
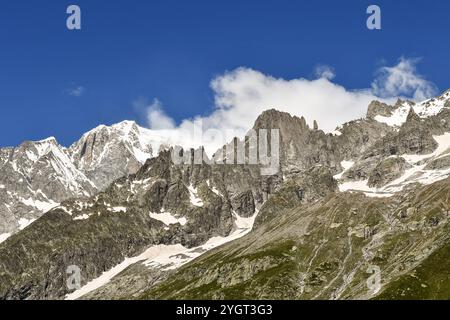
(358, 136)
(387, 171)
(377, 108)
(301, 146)
(306, 188)
(439, 163)
(122, 220)
(361, 170)
(244, 203)
(323, 251)
(412, 138)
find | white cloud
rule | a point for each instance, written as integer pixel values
(324, 71)
(243, 94)
(403, 80)
(156, 117)
(76, 91)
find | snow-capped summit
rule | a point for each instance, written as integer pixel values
(36, 176)
(108, 152)
(432, 106)
(399, 112)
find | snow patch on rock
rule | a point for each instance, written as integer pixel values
(425, 109)
(415, 174)
(167, 218)
(4, 236)
(23, 223)
(195, 200)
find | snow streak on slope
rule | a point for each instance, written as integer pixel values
(23, 223)
(43, 206)
(185, 255)
(346, 165)
(4, 236)
(416, 174)
(168, 257)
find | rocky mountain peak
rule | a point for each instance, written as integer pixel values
(274, 119)
(109, 152)
(377, 108)
(412, 116)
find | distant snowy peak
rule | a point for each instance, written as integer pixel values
(95, 145)
(38, 175)
(58, 159)
(108, 152)
(32, 158)
(28, 153)
(43, 147)
(34, 177)
(399, 112)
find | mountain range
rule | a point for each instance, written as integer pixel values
(359, 213)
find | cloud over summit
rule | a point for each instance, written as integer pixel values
(241, 95)
(403, 80)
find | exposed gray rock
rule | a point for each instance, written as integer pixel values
(386, 171)
(377, 108)
(301, 147)
(411, 139)
(362, 169)
(439, 163)
(97, 233)
(243, 203)
(324, 251)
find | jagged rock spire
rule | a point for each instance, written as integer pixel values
(315, 125)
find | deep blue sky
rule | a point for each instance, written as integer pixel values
(172, 49)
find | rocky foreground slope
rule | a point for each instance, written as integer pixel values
(353, 214)
(328, 250)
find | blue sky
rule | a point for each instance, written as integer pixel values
(56, 82)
